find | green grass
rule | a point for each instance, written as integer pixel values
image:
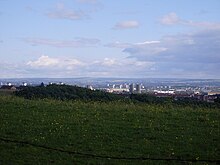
(113, 129)
(5, 92)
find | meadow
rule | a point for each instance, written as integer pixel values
(47, 131)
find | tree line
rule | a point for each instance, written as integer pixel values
(65, 92)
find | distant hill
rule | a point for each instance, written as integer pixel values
(66, 92)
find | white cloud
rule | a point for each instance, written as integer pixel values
(170, 19)
(109, 62)
(79, 42)
(61, 12)
(119, 64)
(44, 61)
(48, 62)
(118, 44)
(11, 70)
(107, 67)
(147, 42)
(106, 62)
(202, 47)
(173, 19)
(206, 25)
(66, 14)
(127, 25)
(71, 64)
(190, 54)
(142, 63)
(111, 67)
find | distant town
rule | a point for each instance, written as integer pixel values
(201, 90)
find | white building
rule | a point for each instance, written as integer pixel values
(138, 88)
(131, 88)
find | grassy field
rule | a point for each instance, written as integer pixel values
(5, 92)
(55, 132)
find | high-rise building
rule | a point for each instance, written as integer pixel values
(138, 88)
(131, 88)
(89, 87)
(24, 84)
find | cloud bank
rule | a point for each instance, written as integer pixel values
(184, 54)
(65, 67)
(48, 62)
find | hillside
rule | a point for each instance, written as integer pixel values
(76, 132)
(69, 92)
(65, 92)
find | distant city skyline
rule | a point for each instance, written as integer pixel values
(110, 38)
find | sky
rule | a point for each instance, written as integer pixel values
(110, 38)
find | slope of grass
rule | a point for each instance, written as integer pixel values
(49, 131)
(5, 92)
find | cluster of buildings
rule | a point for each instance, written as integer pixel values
(176, 92)
(124, 88)
(135, 88)
(10, 87)
(208, 94)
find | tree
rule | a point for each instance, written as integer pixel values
(42, 84)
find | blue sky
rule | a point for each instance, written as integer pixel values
(110, 38)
